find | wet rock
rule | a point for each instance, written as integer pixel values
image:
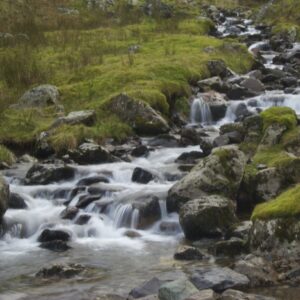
(213, 83)
(149, 210)
(91, 180)
(253, 85)
(41, 96)
(85, 117)
(191, 136)
(45, 174)
(83, 219)
(4, 197)
(177, 290)
(240, 230)
(141, 176)
(202, 179)
(69, 213)
(259, 271)
(218, 279)
(164, 140)
(208, 216)
(189, 157)
(147, 288)
(289, 81)
(16, 201)
(56, 246)
(242, 112)
(237, 92)
(188, 253)
(86, 200)
(221, 140)
(48, 235)
(139, 115)
(132, 234)
(169, 227)
(204, 295)
(140, 151)
(90, 153)
(60, 271)
(231, 247)
(238, 295)
(217, 104)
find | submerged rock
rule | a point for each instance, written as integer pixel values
(53, 235)
(208, 216)
(60, 271)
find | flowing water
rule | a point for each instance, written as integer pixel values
(116, 263)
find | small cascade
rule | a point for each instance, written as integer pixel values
(200, 112)
(135, 218)
(123, 215)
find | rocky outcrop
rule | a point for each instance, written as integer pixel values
(85, 117)
(41, 96)
(4, 197)
(219, 173)
(208, 216)
(44, 174)
(139, 115)
(91, 153)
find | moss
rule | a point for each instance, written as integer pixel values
(249, 148)
(291, 139)
(279, 115)
(286, 205)
(6, 155)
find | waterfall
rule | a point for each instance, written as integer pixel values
(200, 112)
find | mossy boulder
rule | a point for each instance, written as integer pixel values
(138, 114)
(4, 197)
(277, 221)
(219, 173)
(207, 216)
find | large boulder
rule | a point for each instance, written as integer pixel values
(218, 279)
(208, 216)
(91, 153)
(138, 114)
(41, 96)
(85, 117)
(219, 173)
(4, 197)
(45, 174)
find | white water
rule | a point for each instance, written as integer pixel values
(200, 112)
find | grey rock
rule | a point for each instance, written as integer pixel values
(208, 216)
(232, 247)
(60, 271)
(204, 295)
(177, 290)
(147, 288)
(85, 117)
(238, 295)
(41, 96)
(139, 115)
(217, 104)
(188, 253)
(44, 174)
(253, 84)
(4, 197)
(218, 279)
(219, 173)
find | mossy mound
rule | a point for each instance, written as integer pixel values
(286, 205)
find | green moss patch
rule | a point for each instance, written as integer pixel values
(285, 205)
(6, 155)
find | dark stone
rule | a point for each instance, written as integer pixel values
(188, 253)
(221, 140)
(53, 235)
(141, 176)
(60, 271)
(147, 288)
(85, 200)
(91, 180)
(55, 245)
(83, 219)
(232, 247)
(164, 140)
(189, 157)
(140, 151)
(44, 174)
(69, 213)
(16, 201)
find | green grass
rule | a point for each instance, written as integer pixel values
(6, 155)
(285, 205)
(279, 115)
